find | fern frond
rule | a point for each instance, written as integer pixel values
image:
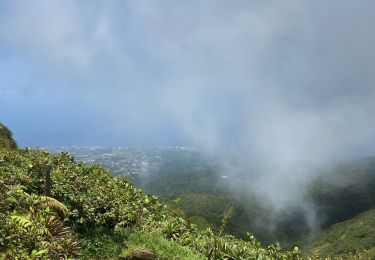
(56, 205)
(23, 222)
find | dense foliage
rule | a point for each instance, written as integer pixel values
(86, 198)
(6, 138)
(354, 235)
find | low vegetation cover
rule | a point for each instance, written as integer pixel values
(87, 213)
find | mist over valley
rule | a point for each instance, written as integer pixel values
(204, 189)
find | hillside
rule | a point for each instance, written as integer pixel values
(356, 234)
(6, 138)
(89, 214)
(187, 181)
(193, 182)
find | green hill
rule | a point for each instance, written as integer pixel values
(342, 191)
(356, 234)
(6, 138)
(86, 213)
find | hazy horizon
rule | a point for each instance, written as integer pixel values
(190, 73)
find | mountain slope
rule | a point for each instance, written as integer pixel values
(190, 183)
(90, 214)
(356, 234)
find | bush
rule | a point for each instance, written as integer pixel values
(6, 138)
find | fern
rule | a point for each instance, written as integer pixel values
(23, 222)
(56, 205)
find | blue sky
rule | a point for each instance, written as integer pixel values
(265, 79)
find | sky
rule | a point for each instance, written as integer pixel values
(274, 84)
(182, 72)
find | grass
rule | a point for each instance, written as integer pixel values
(161, 247)
(99, 244)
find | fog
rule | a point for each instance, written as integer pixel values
(274, 89)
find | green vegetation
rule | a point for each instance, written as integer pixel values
(90, 214)
(162, 247)
(6, 139)
(354, 235)
(200, 207)
(345, 192)
(342, 191)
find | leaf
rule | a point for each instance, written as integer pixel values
(56, 205)
(35, 253)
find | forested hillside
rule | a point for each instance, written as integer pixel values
(89, 214)
(340, 191)
(189, 182)
(354, 235)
